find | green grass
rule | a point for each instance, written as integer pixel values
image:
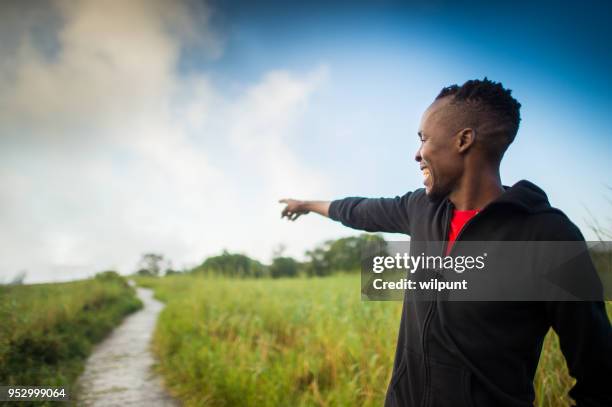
(274, 342)
(298, 342)
(47, 330)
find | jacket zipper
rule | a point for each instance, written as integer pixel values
(431, 309)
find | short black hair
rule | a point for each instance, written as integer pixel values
(488, 99)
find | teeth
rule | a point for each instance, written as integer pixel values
(425, 172)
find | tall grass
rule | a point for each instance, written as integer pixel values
(286, 342)
(47, 330)
(298, 342)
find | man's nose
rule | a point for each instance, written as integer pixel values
(417, 156)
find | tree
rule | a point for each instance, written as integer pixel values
(317, 264)
(151, 264)
(232, 265)
(343, 254)
(284, 267)
(19, 278)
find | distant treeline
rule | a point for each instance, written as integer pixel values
(330, 257)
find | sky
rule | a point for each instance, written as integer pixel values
(175, 127)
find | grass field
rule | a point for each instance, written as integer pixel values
(47, 330)
(298, 342)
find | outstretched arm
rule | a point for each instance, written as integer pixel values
(296, 208)
(369, 214)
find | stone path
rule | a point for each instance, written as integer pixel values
(119, 371)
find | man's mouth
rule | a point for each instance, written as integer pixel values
(426, 174)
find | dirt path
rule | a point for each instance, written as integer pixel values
(118, 372)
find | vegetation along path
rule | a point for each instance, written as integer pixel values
(119, 371)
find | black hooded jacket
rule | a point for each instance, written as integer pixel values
(482, 354)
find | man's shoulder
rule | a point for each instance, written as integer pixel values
(553, 224)
(416, 199)
(417, 194)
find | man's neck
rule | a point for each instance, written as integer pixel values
(476, 192)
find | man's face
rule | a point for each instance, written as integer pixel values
(437, 156)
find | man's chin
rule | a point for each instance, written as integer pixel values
(434, 195)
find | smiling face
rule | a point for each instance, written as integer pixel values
(438, 156)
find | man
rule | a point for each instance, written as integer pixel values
(477, 353)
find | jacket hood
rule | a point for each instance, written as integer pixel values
(526, 196)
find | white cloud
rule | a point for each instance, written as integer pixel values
(109, 151)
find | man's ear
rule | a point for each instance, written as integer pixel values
(465, 139)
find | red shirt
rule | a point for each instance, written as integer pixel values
(458, 220)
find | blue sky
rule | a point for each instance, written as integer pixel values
(388, 61)
(391, 59)
(175, 127)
